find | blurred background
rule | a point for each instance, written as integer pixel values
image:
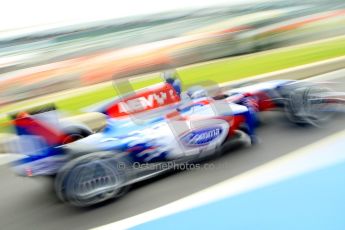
(52, 47)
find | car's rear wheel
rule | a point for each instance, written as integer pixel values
(74, 133)
(91, 179)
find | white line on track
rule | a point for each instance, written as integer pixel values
(334, 75)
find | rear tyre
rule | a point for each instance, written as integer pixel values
(91, 179)
(74, 133)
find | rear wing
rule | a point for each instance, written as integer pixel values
(38, 128)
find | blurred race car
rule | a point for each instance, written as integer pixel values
(152, 131)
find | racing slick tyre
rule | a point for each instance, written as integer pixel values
(74, 133)
(306, 106)
(92, 179)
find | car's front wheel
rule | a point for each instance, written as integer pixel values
(306, 106)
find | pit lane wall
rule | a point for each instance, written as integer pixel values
(96, 121)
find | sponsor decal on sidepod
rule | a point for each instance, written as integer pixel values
(201, 136)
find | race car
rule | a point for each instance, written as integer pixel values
(152, 131)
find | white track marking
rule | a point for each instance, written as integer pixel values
(334, 75)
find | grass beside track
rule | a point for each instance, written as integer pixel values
(219, 71)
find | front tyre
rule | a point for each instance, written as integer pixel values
(306, 106)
